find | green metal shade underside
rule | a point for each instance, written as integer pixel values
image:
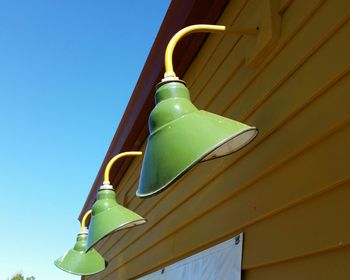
(181, 136)
(108, 216)
(77, 261)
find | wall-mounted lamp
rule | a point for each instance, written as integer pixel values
(107, 215)
(180, 134)
(77, 260)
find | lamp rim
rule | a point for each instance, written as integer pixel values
(80, 274)
(200, 159)
(252, 128)
(121, 227)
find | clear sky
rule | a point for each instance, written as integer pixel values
(67, 70)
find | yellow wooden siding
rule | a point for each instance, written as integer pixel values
(288, 191)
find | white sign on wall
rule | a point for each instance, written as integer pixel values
(222, 261)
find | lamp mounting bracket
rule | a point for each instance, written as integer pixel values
(266, 17)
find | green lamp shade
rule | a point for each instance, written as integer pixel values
(77, 261)
(181, 136)
(108, 216)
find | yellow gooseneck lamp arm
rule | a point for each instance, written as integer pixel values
(112, 161)
(83, 221)
(169, 70)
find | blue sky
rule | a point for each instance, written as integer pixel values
(67, 70)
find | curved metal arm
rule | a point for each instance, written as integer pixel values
(169, 70)
(113, 160)
(83, 221)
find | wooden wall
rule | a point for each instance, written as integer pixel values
(289, 190)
